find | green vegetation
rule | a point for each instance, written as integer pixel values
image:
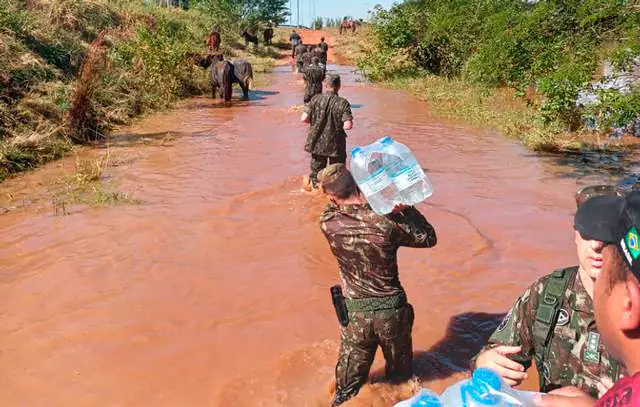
(546, 52)
(71, 70)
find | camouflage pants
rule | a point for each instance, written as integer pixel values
(389, 329)
(320, 162)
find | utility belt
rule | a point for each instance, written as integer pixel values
(345, 305)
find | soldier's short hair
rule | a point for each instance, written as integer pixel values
(338, 181)
(315, 60)
(619, 271)
(333, 80)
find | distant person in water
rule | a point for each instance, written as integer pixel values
(295, 39)
(328, 115)
(299, 52)
(313, 77)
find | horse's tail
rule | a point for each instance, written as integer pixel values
(249, 76)
(227, 81)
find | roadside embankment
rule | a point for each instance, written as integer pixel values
(71, 71)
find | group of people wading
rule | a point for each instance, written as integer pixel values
(580, 325)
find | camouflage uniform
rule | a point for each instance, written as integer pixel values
(573, 355)
(325, 48)
(321, 54)
(306, 60)
(313, 78)
(366, 245)
(327, 140)
(299, 50)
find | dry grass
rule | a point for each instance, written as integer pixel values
(88, 185)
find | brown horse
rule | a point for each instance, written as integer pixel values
(349, 25)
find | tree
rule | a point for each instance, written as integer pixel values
(257, 12)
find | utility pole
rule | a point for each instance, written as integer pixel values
(298, 10)
(290, 12)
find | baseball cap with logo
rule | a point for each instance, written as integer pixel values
(614, 219)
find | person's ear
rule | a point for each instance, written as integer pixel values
(630, 306)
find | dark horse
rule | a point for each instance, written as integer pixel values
(268, 36)
(249, 38)
(224, 74)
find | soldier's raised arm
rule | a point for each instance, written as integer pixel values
(412, 228)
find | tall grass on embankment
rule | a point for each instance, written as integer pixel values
(72, 70)
(515, 66)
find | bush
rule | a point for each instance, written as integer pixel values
(553, 46)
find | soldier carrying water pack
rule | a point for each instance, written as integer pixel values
(374, 310)
(553, 324)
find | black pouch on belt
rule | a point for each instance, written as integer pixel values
(339, 305)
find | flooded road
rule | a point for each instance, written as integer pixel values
(214, 291)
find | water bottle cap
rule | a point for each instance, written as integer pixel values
(426, 398)
(483, 385)
(386, 140)
(356, 150)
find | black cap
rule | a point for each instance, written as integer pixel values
(614, 219)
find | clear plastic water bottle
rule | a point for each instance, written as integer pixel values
(373, 180)
(405, 172)
(426, 398)
(484, 389)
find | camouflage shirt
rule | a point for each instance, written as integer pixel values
(299, 51)
(575, 355)
(324, 46)
(313, 77)
(327, 113)
(366, 246)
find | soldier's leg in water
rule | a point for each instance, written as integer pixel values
(393, 329)
(357, 351)
(318, 163)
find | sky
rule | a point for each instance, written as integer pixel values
(335, 8)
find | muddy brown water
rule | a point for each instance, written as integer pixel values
(215, 290)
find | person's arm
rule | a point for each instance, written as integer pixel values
(306, 114)
(412, 228)
(510, 348)
(347, 116)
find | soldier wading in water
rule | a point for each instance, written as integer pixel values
(374, 310)
(313, 77)
(553, 323)
(329, 115)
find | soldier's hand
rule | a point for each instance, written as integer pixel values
(513, 373)
(399, 208)
(565, 397)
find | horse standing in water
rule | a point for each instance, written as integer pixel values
(225, 73)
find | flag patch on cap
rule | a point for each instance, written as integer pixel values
(632, 243)
(631, 246)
